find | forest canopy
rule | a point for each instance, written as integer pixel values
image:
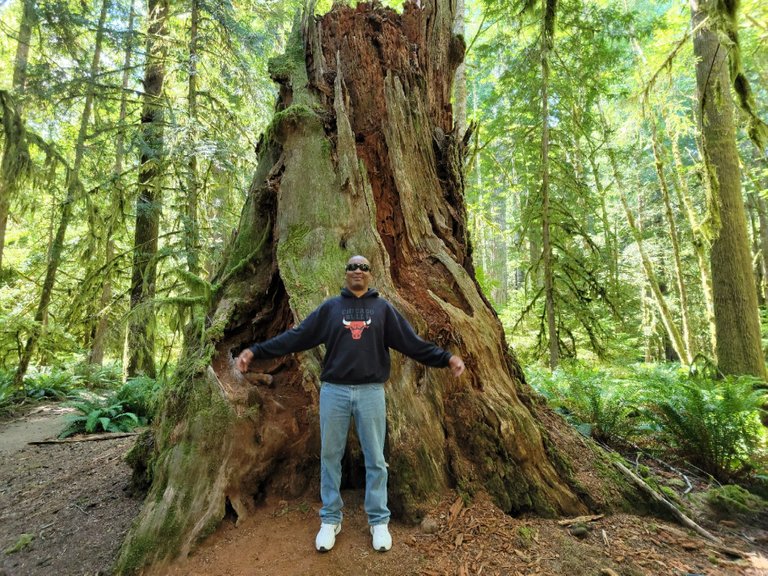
(627, 179)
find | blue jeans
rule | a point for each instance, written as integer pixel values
(339, 402)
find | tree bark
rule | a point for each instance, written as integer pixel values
(549, 8)
(762, 214)
(140, 337)
(687, 335)
(754, 239)
(359, 159)
(735, 300)
(700, 243)
(191, 225)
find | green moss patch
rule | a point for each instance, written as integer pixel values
(734, 501)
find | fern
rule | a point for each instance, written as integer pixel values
(55, 384)
(97, 377)
(597, 403)
(100, 415)
(713, 424)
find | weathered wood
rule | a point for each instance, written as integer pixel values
(89, 438)
(664, 503)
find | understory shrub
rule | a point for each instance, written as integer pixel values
(712, 424)
(97, 376)
(7, 390)
(597, 403)
(51, 383)
(129, 407)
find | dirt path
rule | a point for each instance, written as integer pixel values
(41, 423)
(65, 507)
(70, 502)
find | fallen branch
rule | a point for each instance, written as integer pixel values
(664, 503)
(580, 519)
(90, 438)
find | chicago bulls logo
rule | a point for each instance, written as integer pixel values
(356, 327)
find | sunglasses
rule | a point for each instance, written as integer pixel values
(355, 266)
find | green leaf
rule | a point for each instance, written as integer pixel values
(93, 418)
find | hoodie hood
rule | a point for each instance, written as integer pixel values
(371, 293)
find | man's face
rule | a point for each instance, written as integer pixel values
(357, 279)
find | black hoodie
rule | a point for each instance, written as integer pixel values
(357, 333)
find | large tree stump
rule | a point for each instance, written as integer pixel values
(361, 158)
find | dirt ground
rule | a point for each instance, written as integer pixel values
(70, 503)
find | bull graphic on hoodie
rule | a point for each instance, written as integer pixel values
(356, 327)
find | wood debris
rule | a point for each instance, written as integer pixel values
(580, 519)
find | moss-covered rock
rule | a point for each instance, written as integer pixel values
(731, 501)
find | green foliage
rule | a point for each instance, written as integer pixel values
(140, 395)
(131, 406)
(23, 541)
(7, 390)
(98, 377)
(55, 384)
(235, 100)
(713, 424)
(97, 415)
(597, 403)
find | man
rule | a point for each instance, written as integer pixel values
(358, 328)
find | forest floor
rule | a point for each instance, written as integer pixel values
(65, 509)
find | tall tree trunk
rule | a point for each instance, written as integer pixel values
(73, 190)
(140, 337)
(96, 355)
(460, 79)
(682, 291)
(736, 316)
(359, 159)
(191, 225)
(549, 8)
(762, 214)
(676, 338)
(15, 157)
(610, 239)
(700, 242)
(754, 237)
(501, 252)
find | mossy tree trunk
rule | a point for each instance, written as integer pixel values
(682, 291)
(140, 334)
(361, 158)
(737, 322)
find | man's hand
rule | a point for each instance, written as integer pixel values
(244, 360)
(456, 365)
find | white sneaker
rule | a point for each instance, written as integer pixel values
(326, 537)
(382, 541)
